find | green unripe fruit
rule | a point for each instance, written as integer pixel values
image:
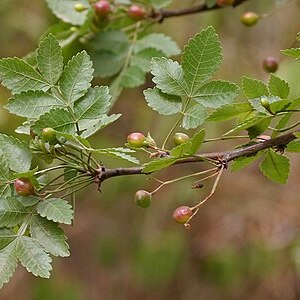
(182, 214)
(137, 139)
(249, 18)
(270, 64)
(102, 8)
(79, 7)
(48, 134)
(24, 187)
(143, 198)
(180, 138)
(136, 12)
(224, 2)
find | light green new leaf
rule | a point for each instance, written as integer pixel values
(56, 209)
(143, 58)
(94, 104)
(18, 76)
(276, 167)
(8, 263)
(32, 104)
(194, 117)
(253, 88)
(278, 87)
(158, 164)
(58, 119)
(50, 236)
(16, 153)
(216, 93)
(12, 212)
(49, 59)
(119, 152)
(76, 77)
(244, 161)
(33, 257)
(65, 11)
(164, 104)
(159, 42)
(181, 150)
(6, 237)
(168, 76)
(293, 52)
(132, 77)
(201, 58)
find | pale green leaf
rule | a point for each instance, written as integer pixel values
(4, 168)
(50, 236)
(194, 117)
(132, 77)
(201, 58)
(121, 153)
(158, 164)
(28, 200)
(157, 4)
(256, 103)
(278, 87)
(253, 88)
(276, 167)
(56, 209)
(164, 104)
(6, 237)
(143, 58)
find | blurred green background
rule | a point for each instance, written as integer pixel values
(243, 244)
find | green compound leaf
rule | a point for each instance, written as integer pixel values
(16, 153)
(276, 167)
(278, 87)
(49, 59)
(158, 164)
(18, 76)
(201, 58)
(168, 76)
(133, 77)
(164, 104)
(50, 236)
(56, 209)
(194, 117)
(33, 257)
(33, 104)
(76, 77)
(65, 11)
(216, 93)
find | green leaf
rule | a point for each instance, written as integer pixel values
(168, 76)
(4, 168)
(18, 76)
(16, 153)
(8, 263)
(143, 58)
(58, 119)
(181, 150)
(32, 104)
(253, 88)
(197, 141)
(293, 146)
(201, 58)
(293, 52)
(65, 11)
(157, 4)
(133, 77)
(256, 103)
(56, 209)
(119, 152)
(164, 104)
(258, 128)
(194, 117)
(12, 212)
(32, 257)
(276, 167)
(6, 190)
(28, 201)
(6, 237)
(49, 59)
(278, 87)
(159, 42)
(244, 161)
(76, 77)
(228, 112)
(216, 93)
(50, 236)
(158, 164)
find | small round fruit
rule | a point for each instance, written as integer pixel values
(102, 8)
(23, 187)
(180, 138)
(79, 7)
(136, 12)
(224, 2)
(48, 134)
(143, 198)
(182, 214)
(270, 64)
(249, 18)
(136, 139)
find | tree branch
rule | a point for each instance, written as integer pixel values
(226, 156)
(162, 14)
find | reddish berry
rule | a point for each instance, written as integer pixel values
(79, 7)
(102, 7)
(249, 18)
(182, 214)
(48, 134)
(136, 139)
(270, 64)
(224, 2)
(143, 198)
(136, 12)
(24, 187)
(180, 138)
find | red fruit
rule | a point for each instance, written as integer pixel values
(224, 2)
(24, 187)
(102, 7)
(182, 214)
(136, 12)
(249, 18)
(270, 64)
(143, 198)
(136, 139)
